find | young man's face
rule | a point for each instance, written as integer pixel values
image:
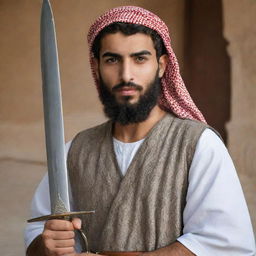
(128, 59)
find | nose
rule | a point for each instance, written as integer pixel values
(126, 71)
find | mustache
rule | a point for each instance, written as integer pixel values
(129, 84)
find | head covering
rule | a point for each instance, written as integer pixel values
(175, 97)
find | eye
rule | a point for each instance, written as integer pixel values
(111, 60)
(140, 59)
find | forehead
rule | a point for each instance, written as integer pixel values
(126, 44)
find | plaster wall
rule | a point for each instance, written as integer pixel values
(242, 45)
(21, 126)
(240, 30)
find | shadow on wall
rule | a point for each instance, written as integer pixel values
(206, 62)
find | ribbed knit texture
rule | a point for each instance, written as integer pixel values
(143, 210)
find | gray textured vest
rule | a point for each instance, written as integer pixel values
(141, 211)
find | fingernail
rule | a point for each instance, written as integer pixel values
(78, 223)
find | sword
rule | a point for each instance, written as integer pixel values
(53, 120)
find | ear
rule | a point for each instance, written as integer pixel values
(163, 60)
(95, 64)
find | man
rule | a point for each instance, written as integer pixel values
(160, 180)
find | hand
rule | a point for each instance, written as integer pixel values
(88, 254)
(58, 237)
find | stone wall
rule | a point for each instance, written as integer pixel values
(240, 31)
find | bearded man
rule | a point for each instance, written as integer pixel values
(160, 179)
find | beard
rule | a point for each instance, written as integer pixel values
(126, 113)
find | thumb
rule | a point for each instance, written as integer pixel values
(77, 223)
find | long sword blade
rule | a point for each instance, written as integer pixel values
(54, 131)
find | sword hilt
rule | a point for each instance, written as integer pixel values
(66, 216)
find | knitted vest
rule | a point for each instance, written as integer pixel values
(143, 210)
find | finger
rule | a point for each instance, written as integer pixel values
(89, 254)
(64, 243)
(77, 223)
(60, 235)
(64, 251)
(59, 225)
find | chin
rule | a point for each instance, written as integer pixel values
(127, 100)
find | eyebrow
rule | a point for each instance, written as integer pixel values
(145, 52)
(112, 54)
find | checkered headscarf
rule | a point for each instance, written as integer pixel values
(175, 97)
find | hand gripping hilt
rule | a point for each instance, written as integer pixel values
(67, 216)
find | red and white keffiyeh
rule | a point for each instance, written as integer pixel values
(175, 97)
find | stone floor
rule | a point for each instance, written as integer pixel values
(18, 181)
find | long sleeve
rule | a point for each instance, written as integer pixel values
(40, 206)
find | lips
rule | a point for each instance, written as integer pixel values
(127, 91)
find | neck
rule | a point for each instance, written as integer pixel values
(137, 131)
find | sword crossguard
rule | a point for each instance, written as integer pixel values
(64, 215)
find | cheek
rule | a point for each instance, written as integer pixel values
(109, 75)
(146, 74)
(146, 69)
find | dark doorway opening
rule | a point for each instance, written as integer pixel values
(206, 62)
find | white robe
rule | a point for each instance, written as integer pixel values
(214, 223)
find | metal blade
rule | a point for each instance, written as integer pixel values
(54, 131)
